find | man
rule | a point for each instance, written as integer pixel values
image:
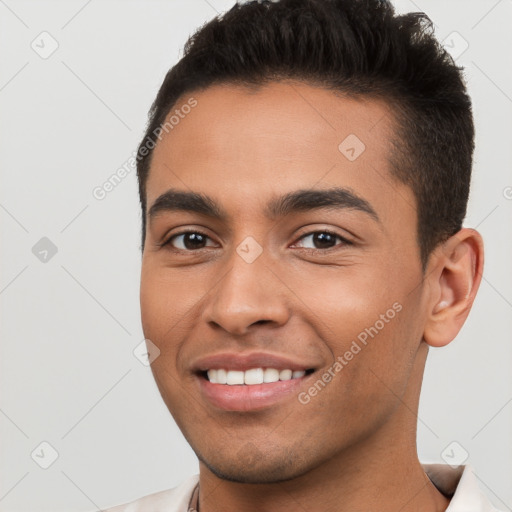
(303, 179)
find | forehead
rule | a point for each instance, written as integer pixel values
(284, 135)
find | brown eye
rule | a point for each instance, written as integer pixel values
(323, 240)
(188, 241)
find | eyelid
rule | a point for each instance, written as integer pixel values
(345, 240)
(167, 240)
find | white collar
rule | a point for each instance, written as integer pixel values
(461, 485)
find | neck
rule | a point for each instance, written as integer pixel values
(381, 473)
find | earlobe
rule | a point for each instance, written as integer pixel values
(454, 277)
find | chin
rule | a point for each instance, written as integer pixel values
(255, 468)
(258, 475)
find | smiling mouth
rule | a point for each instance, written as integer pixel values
(252, 376)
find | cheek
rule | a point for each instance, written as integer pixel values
(167, 302)
(344, 302)
(166, 314)
(367, 329)
(368, 377)
(163, 316)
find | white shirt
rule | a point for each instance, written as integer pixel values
(462, 484)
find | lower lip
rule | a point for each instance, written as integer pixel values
(248, 398)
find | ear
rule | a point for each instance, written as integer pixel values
(454, 274)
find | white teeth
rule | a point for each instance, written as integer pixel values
(222, 377)
(234, 377)
(252, 376)
(270, 375)
(285, 375)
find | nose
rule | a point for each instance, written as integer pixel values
(248, 294)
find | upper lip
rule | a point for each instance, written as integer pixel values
(245, 361)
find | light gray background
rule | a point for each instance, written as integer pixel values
(69, 325)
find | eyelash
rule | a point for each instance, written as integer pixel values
(167, 243)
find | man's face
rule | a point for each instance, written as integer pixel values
(262, 285)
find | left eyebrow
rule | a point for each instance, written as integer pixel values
(332, 198)
(298, 201)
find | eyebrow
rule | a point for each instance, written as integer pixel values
(298, 201)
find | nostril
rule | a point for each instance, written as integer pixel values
(259, 322)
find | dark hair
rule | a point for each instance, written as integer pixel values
(360, 48)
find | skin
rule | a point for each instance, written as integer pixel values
(353, 446)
